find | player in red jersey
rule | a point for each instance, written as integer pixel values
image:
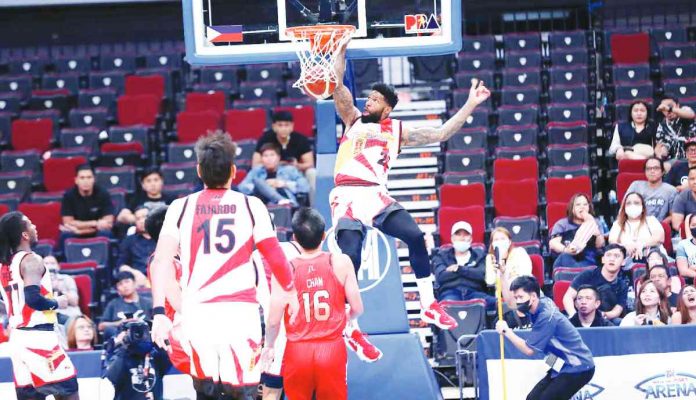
(215, 231)
(315, 356)
(40, 366)
(371, 141)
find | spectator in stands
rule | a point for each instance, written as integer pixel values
(611, 286)
(459, 269)
(63, 284)
(151, 196)
(587, 305)
(676, 127)
(635, 138)
(577, 239)
(651, 307)
(686, 308)
(636, 231)
(82, 334)
(86, 208)
(678, 175)
(660, 276)
(127, 307)
(513, 261)
(272, 182)
(685, 203)
(135, 249)
(295, 148)
(686, 252)
(657, 194)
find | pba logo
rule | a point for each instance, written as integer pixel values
(670, 385)
(421, 23)
(376, 257)
(588, 392)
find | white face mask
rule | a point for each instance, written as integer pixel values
(501, 244)
(461, 245)
(634, 210)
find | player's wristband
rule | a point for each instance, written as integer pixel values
(157, 311)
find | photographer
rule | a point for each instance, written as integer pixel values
(133, 364)
(127, 307)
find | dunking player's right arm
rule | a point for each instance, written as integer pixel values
(343, 268)
(342, 97)
(426, 135)
(32, 270)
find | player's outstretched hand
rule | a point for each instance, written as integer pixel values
(478, 92)
(267, 357)
(501, 326)
(161, 326)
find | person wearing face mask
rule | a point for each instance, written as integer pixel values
(674, 129)
(686, 252)
(570, 360)
(636, 231)
(459, 269)
(578, 238)
(651, 307)
(512, 261)
(635, 138)
(610, 284)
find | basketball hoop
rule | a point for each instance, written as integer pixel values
(317, 46)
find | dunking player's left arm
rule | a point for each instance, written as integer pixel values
(426, 135)
(32, 270)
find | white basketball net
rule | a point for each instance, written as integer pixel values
(317, 48)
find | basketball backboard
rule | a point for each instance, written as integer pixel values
(219, 32)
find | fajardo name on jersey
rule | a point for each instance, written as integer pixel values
(203, 209)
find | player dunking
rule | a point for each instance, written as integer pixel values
(216, 230)
(370, 143)
(315, 355)
(39, 365)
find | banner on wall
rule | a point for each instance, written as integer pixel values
(631, 364)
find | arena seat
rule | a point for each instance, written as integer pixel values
(32, 134)
(190, 125)
(515, 198)
(473, 194)
(59, 173)
(514, 170)
(623, 181)
(474, 215)
(215, 101)
(561, 190)
(46, 217)
(467, 139)
(559, 290)
(246, 124)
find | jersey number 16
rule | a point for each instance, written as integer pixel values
(322, 310)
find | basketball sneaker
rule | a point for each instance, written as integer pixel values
(437, 316)
(366, 351)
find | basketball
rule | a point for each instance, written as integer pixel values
(320, 90)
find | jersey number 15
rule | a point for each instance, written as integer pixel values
(223, 231)
(322, 309)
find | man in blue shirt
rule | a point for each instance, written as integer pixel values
(135, 249)
(570, 361)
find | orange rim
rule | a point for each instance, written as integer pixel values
(310, 31)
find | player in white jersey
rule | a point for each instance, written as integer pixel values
(271, 379)
(216, 231)
(370, 143)
(39, 365)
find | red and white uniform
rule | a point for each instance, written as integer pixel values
(365, 154)
(315, 355)
(37, 358)
(291, 250)
(217, 230)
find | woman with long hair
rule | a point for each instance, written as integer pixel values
(635, 230)
(512, 261)
(577, 239)
(686, 307)
(651, 307)
(634, 139)
(82, 334)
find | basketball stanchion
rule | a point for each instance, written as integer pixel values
(499, 298)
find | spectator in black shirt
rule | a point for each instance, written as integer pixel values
(86, 209)
(127, 307)
(587, 305)
(295, 148)
(678, 175)
(135, 249)
(676, 127)
(151, 196)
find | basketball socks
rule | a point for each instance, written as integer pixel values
(425, 289)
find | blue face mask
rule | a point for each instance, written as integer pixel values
(461, 245)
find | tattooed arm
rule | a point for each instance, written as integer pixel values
(425, 135)
(343, 99)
